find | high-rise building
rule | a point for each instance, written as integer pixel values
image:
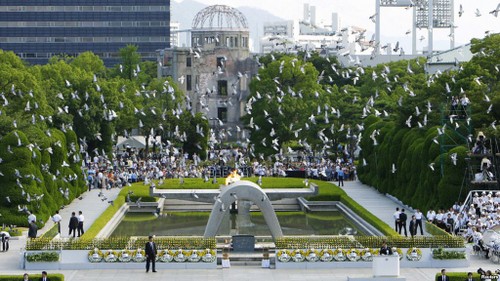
(37, 30)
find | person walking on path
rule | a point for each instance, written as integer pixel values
(5, 240)
(73, 224)
(57, 220)
(419, 216)
(402, 222)
(151, 252)
(81, 218)
(396, 219)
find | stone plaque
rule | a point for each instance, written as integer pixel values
(243, 243)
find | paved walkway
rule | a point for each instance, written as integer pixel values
(92, 205)
(377, 203)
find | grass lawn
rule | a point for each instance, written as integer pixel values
(197, 183)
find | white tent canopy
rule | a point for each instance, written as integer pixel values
(137, 142)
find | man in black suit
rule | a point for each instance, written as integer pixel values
(385, 251)
(402, 221)
(151, 252)
(44, 276)
(443, 276)
(73, 224)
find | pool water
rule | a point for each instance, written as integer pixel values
(193, 224)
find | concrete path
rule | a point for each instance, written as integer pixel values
(91, 205)
(377, 203)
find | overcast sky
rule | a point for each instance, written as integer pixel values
(395, 21)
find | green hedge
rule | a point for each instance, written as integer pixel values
(368, 242)
(42, 257)
(435, 230)
(197, 183)
(52, 277)
(442, 254)
(51, 233)
(458, 276)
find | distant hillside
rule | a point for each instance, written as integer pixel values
(185, 11)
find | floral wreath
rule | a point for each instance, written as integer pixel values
(166, 256)
(110, 256)
(95, 255)
(367, 254)
(208, 255)
(181, 255)
(284, 255)
(414, 254)
(397, 252)
(138, 255)
(339, 255)
(194, 256)
(312, 255)
(353, 255)
(326, 255)
(298, 255)
(124, 256)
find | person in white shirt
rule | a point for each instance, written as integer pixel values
(419, 216)
(81, 218)
(57, 220)
(431, 215)
(396, 219)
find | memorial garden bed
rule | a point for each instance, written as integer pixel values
(358, 251)
(120, 252)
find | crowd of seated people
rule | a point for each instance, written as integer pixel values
(471, 221)
(134, 166)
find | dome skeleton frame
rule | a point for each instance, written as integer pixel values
(219, 16)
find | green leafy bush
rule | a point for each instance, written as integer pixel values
(51, 276)
(458, 276)
(441, 254)
(42, 257)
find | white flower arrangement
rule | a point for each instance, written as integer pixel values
(326, 255)
(110, 256)
(124, 256)
(180, 255)
(208, 255)
(367, 254)
(95, 255)
(166, 256)
(312, 255)
(138, 255)
(397, 252)
(298, 256)
(414, 254)
(353, 255)
(284, 255)
(193, 256)
(339, 255)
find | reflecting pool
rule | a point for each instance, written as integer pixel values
(193, 223)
